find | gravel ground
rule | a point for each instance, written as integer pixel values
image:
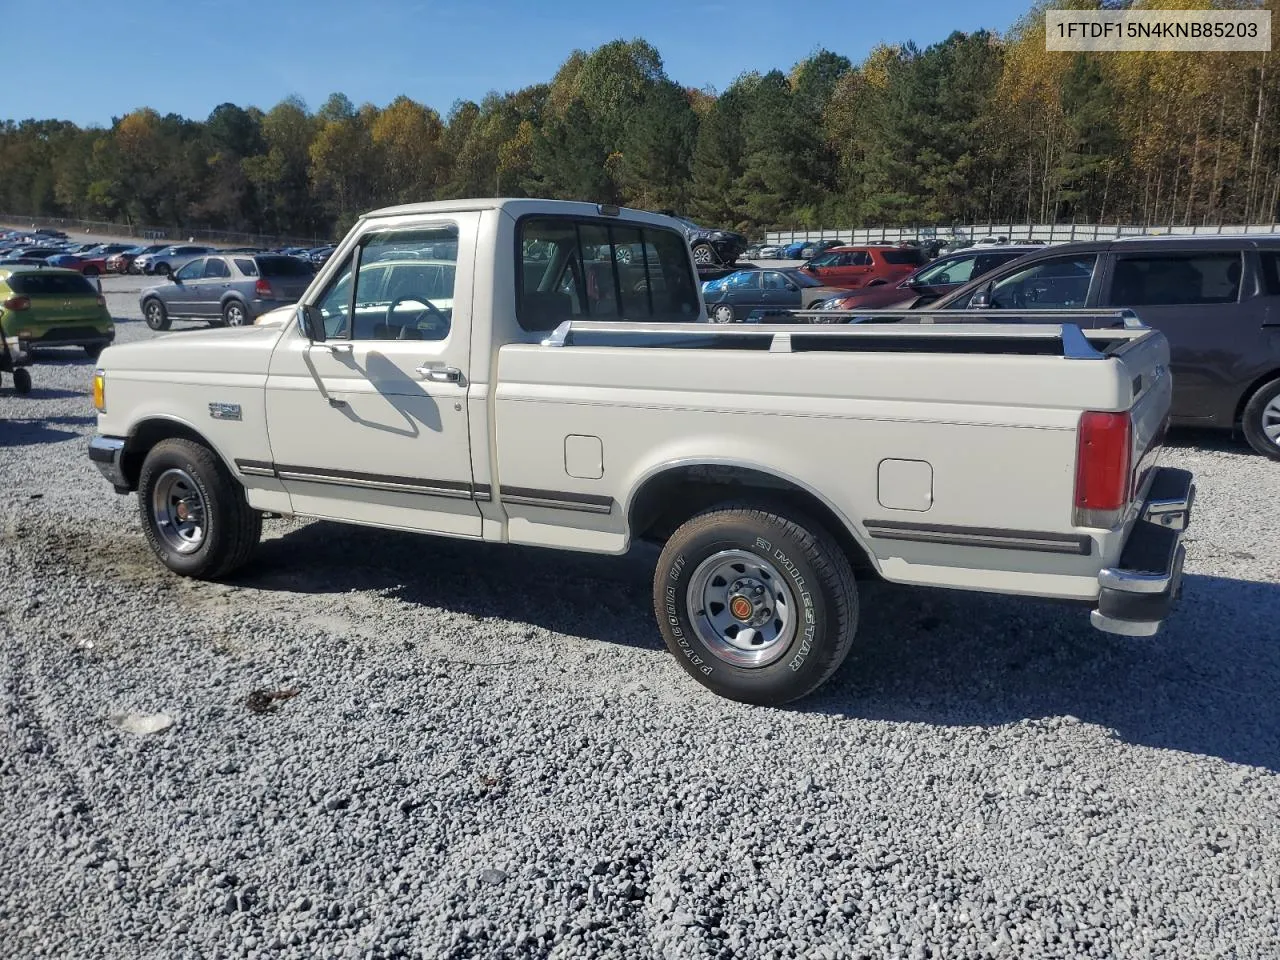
(490, 754)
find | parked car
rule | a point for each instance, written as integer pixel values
(734, 297)
(226, 290)
(126, 260)
(48, 307)
(935, 279)
(766, 465)
(170, 259)
(770, 251)
(864, 266)
(320, 255)
(710, 245)
(90, 264)
(36, 253)
(50, 232)
(811, 250)
(792, 251)
(1216, 299)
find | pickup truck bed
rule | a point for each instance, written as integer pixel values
(770, 461)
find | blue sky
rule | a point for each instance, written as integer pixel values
(189, 56)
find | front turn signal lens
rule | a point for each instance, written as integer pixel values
(100, 391)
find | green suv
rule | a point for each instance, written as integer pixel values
(47, 307)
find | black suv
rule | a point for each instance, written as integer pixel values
(711, 246)
(1216, 299)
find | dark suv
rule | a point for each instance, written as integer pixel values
(1217, 300)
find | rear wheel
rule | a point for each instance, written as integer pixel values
(156, 315)
(194, 512)
(723, 313)
(233, 314)
(1261, 420)
(756, 605)
(702, 253)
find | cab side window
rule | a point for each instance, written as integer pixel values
(574, 268)
(404, 290)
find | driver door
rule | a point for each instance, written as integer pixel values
(182, 291)
(371, 424)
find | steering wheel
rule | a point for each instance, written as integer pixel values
(429, 307)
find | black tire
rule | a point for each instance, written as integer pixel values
(21, 381)
(163, 269)
(90, 271)
(155, 314)
(235, 314)
(1261, 420)
(813, 569)
(231, 528)
(722, 313)
(93, 350)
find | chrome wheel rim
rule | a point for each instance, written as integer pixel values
(723, 314)
(1271, 420)
(235, 317)
(702, 254)
(179, 511)
(741, 608)
(153, 314)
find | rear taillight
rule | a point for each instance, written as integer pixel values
(18, 303)
(1103, 466)
(263, 289)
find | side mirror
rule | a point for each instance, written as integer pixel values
(792, 287)
(174, 278)
(808, 266)
(311, 322)
(981, 299)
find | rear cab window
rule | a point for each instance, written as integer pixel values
(577, 268)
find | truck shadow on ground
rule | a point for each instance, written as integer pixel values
(24, 433)
(1209, 684)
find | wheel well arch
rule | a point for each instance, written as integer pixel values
(669, 495)
(147, 433)
(1249, 391)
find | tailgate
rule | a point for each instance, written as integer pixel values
(1144, 361)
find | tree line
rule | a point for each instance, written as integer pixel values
(980, 127)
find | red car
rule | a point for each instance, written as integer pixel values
(870, 266)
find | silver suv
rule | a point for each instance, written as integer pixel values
(166, 261)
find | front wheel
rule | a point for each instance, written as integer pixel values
(93, 350)
(90, 271)
(21, 381)
(194, 512)
(723, 313)
(757, 606)
(163, 269)
(1261, 420)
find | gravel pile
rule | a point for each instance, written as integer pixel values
(378, 745)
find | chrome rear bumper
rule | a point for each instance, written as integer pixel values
(1136, 595)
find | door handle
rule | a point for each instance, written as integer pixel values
(336, 347)
(440, 374)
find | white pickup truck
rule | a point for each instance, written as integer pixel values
(540, 372)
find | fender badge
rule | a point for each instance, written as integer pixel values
(224, 411)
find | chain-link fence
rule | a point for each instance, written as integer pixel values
(105, 228)
(1011, 232)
